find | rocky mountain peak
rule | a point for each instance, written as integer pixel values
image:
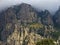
(47, 12)
(16, 20)
(25, 5)
(56, 18)
(20, 25)
(27, 13)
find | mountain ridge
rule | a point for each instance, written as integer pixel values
(17, 22)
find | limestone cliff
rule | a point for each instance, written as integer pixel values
(23, 25)
(18, 27)
(21, 36)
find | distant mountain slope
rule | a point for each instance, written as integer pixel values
(56, 18)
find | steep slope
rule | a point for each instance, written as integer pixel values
(27, 14)
(23, 25)
(17, 23)
(56, 18)
(46, 17)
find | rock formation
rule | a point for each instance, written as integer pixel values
(19, 25)
(16, 29)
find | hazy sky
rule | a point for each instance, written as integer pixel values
(51, 5)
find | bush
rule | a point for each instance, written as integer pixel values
(45, 42)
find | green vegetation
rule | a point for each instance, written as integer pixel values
(33, 25)
(36, 25)
(45, 42)
(55, 35)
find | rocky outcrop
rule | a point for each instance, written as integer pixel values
(15, 24)
(27, 14)
(46, 18)
(21, 36)
(20, 25)
(56, 18)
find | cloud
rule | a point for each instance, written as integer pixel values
(51, 5)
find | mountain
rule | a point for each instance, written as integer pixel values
(46, 17)
(56, 18)
(17, 24)
(23, 25)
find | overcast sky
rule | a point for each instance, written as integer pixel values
(51, 5)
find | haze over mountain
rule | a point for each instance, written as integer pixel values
(23, 25)
(51, 5)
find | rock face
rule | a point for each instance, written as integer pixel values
(15, 29)
(27, 14)
(56, 18)
(20, 36)
(46, 18)
(20, 25)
